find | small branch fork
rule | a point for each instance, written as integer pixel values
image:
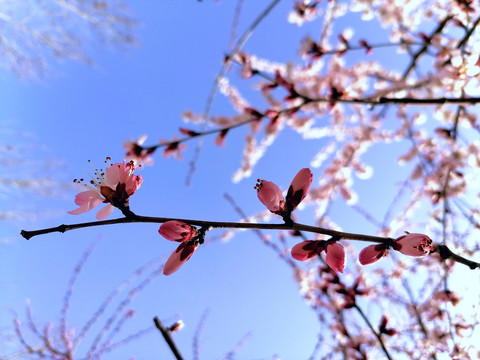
(443, 250)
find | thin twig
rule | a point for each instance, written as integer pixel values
(377, 335)
(243, 39)
(168, 338)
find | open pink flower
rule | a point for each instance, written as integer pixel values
(372, 253)
(183, 252)
(113, 187)
(413, 244)
(271, 195)
(177, 231)
(307, 249)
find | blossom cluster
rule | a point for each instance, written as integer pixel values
(115, 186)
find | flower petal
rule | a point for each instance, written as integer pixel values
(104, 212)
(307, 249)
(87, 200)
(183, 252)
(336, 256)
(299, 188)
(372, 253)
(271, 196)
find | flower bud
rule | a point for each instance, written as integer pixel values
(307, 249)
(299, 188)
(175, 230)
(335, 256)
(183, 252)
(413, 244)
(372, 253)
(271, 196)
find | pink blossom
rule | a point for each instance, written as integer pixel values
(113, 187)
(372, 253)
(335, 256)
(177, 231)
(173, 148)
(307, 249)
(137, 153)
(183, 252)
(299, 188)
(271, 195)
(413, 244)
(220, 139)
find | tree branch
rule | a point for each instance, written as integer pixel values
(443, 250)
(168, 338)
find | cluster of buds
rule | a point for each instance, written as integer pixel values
(189, 238)
(271, 195)
(409, 244)
(117, 183)
(335, 257)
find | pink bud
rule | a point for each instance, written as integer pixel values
(307, 249)
(372, 253)
(271, 196)
(299, 188)
(177, 231)
(336, 256)
(183, 252)
(413, 244)
(177, 326)
(220, 139)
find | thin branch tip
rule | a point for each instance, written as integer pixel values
(26, 234)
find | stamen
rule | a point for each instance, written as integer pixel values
(259, 185)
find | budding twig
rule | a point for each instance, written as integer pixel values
(168, 338)
(443, 250)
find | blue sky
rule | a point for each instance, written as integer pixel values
(79, 113)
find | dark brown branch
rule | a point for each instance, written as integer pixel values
(372, 329)
(468, 34)
(210, 225)
(424, 48)
(444, 251)
(367, 101)
(447, 254)
(168, 338)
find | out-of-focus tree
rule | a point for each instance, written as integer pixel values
(34, 33)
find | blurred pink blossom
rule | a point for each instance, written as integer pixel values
(113, 187)
(137, 153)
